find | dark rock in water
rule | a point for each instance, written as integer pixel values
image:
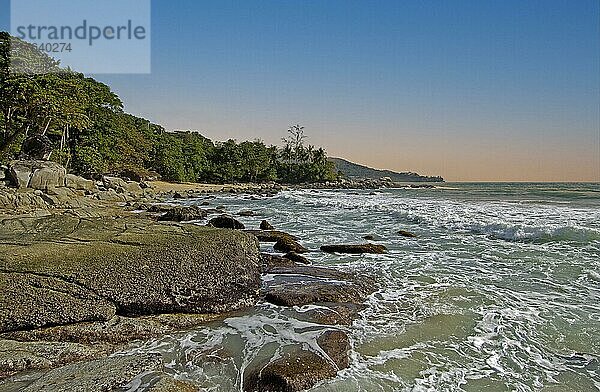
(405, 233)
(336, 345)
(271, 235)
(333, 313)
(264, 225)
(354, 249)
(298, 258)
(369, 237)
(246, 213)
(226, 222)
(286, 245)
(299, 294)
(204, 203)
(303, 285)
(178, 195)
(131, 263)
(159, 208)
(271, 261)
(183, 214)
(37, 147)
(299, 369)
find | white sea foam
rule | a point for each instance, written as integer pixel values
(495, 292)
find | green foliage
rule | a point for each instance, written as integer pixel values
(91, 135)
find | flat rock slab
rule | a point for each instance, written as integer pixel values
(354, 249)
(139, 266)
(19, 356)
(31, 301)
(271, 235)
(117, 331)
(303, 285)
(106, 374)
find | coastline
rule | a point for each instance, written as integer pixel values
(88, 272)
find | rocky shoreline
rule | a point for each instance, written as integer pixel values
(87, 268)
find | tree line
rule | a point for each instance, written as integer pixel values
(89, 133)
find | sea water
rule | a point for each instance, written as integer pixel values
(499, 291)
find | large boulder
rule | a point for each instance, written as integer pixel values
(37, 174)
(138, 266)
(79, 183)
(113, 182)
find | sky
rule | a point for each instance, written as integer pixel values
(469, 90)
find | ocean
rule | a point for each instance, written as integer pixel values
(500, 291)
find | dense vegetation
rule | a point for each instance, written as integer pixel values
(83, 122)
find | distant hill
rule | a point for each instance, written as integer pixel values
(356, 171)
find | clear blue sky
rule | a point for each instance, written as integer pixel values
(471, 90)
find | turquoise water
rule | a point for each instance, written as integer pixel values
(499, 292)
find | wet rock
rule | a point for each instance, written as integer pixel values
(100, 375)
(354, 249)
(20, 356)
(118, 330)
(295, 294)
(299, 369)
(226, 222)
(303, 285)
(246, 213)
(271, 235)
(166, 383)
(297, 258)
(405, 233)
(336, 345)
(286, 245)
(270, 261)
(183, 214)
(264, 225)
(333, 313)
